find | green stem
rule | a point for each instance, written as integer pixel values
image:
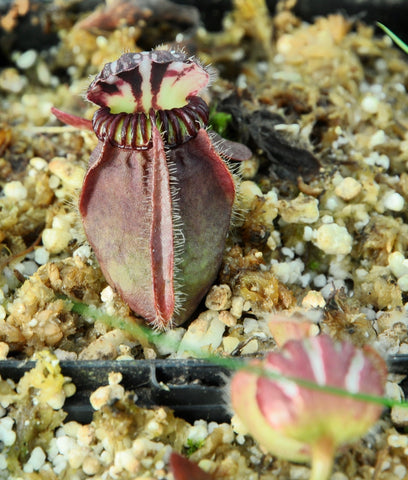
(322, 459)
(403, 46)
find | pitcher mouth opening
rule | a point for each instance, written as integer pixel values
(134, 130)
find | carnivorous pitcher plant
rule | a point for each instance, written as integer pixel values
(157, 198)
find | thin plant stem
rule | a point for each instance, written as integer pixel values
(322, 459)
(402, 45)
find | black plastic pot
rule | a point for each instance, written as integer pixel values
(192, 388)
(30, 31)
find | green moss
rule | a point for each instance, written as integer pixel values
(219, 121)
(192, 446)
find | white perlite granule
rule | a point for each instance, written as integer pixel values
(348, 188)
(15, 190)
(393, 201)
(7, 434)
(333, 239)
(36, 460)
